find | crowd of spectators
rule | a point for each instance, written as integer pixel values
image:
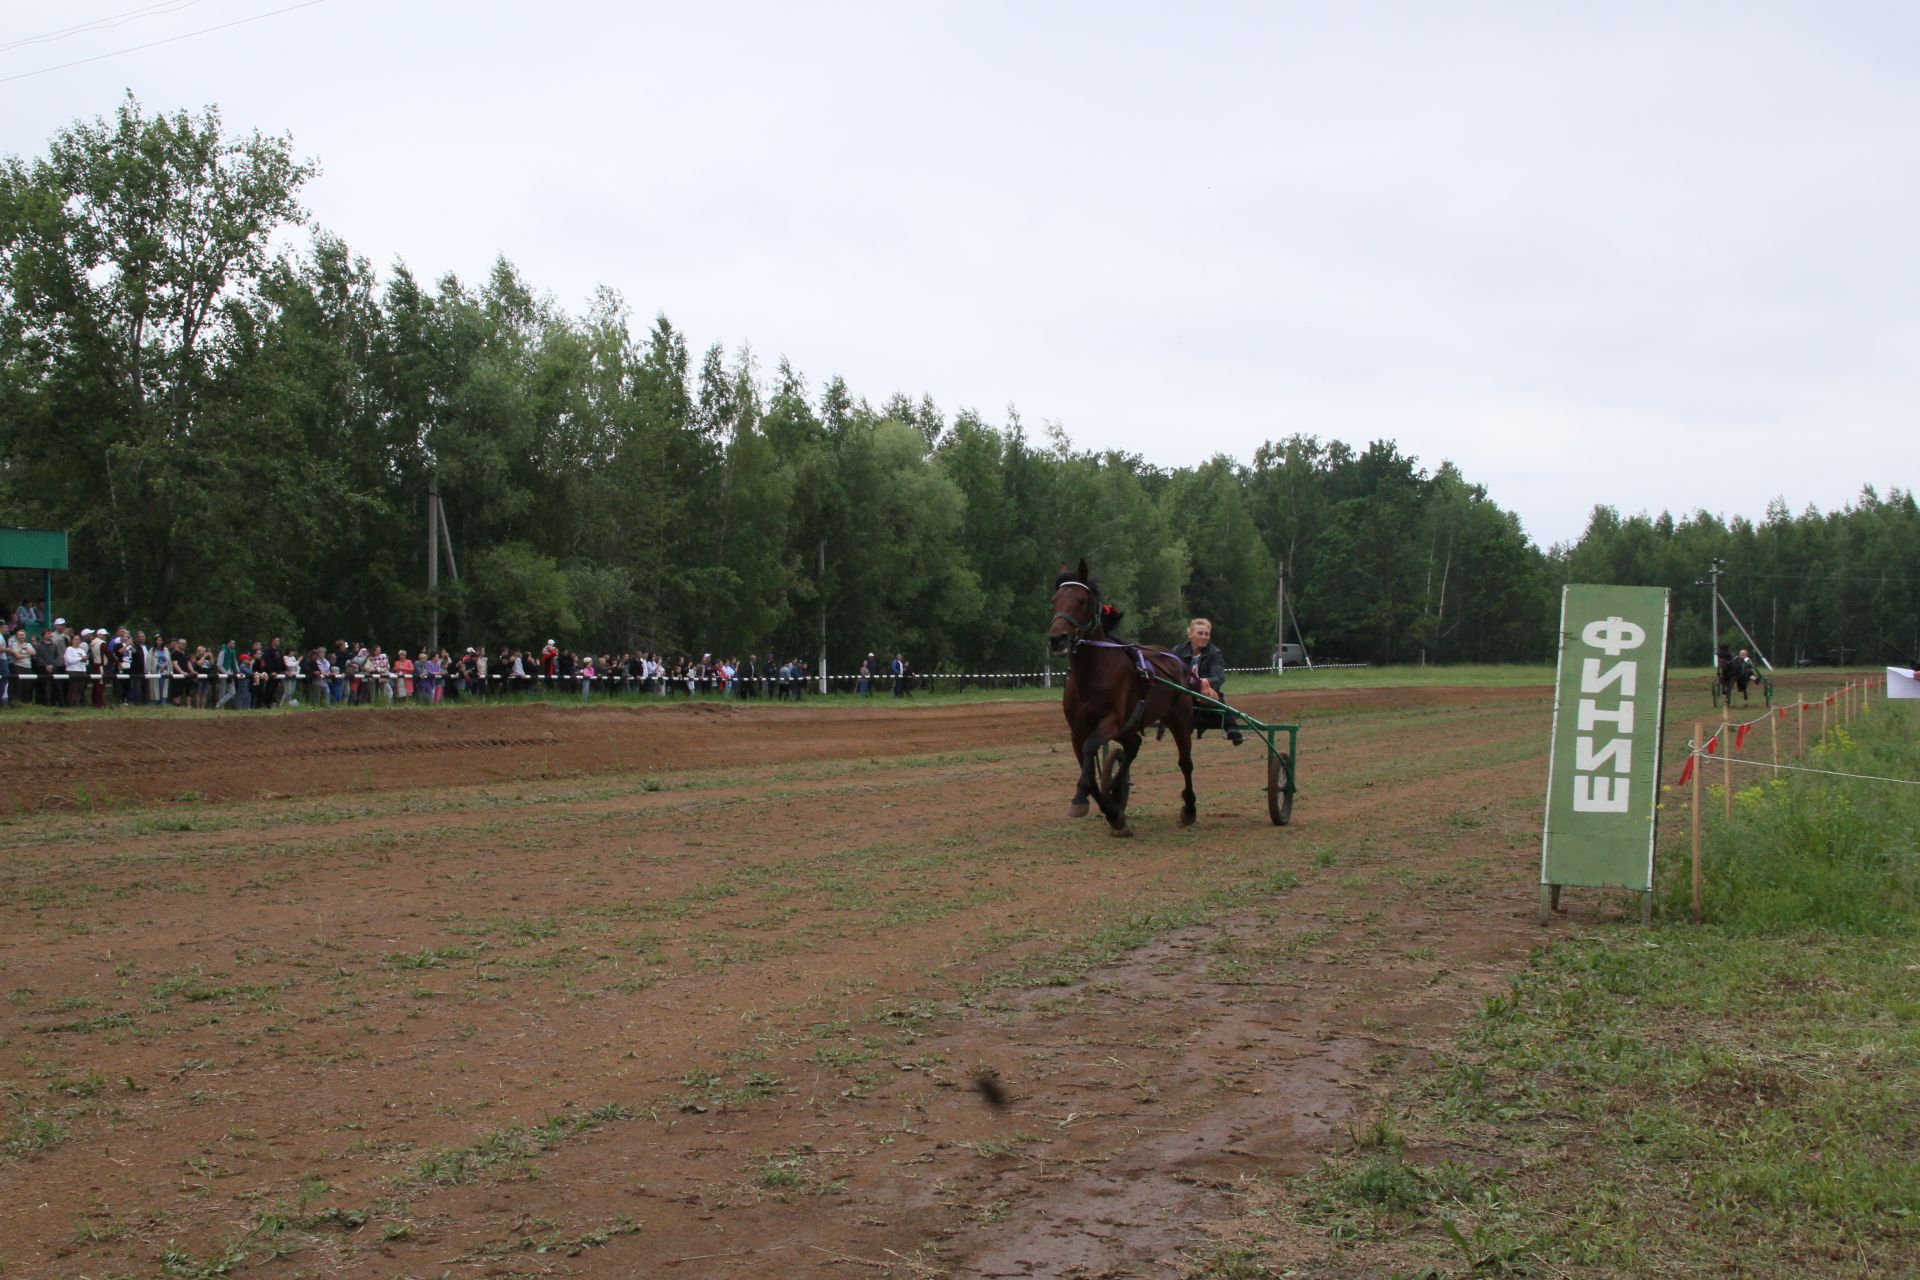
(66, 665)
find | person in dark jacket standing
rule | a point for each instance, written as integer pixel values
(270, 673)
(49, 656)
(1209, 665)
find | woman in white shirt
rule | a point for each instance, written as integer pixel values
(75, 660)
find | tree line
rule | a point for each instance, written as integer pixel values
(240, 434)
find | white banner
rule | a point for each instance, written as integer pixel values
(1902, 684)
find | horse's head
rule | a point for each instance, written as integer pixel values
(1076, 608)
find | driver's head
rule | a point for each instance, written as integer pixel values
(1200, 633)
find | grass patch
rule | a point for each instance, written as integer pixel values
(509, 1152)
(30, 1131)
(1741, 1097)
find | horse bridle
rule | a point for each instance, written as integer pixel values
(1080, 629)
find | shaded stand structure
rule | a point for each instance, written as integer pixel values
(31, 550)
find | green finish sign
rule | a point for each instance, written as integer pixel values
(1603, 780)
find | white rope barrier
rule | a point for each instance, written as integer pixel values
(1700, 755)
(1728, 752)
(1737, 725)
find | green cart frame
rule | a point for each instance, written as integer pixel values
(1761, 678)
(1280, 764)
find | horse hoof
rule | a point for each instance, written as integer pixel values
(1120, 833)
(1186, 818)
(1078, 809)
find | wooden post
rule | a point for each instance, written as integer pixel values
(1726, 765)
(1700, 766)
(1800, 720)
(1773, 738)
(1823, 717)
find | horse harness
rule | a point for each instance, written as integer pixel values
(1080, 629)
(1142, 661)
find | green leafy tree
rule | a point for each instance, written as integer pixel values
(1230, 578)
(132, 254)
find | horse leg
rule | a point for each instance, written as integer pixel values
(1089, 766)
(1078, 809)
(1183, 743)
(1125, 785)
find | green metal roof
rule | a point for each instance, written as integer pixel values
(33, 548)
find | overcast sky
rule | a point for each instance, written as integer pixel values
(1661, 257)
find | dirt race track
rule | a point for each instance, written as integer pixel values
(708, 991)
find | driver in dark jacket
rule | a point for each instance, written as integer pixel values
(1209, 665)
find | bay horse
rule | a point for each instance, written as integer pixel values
(1111, 697)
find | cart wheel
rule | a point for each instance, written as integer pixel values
(1715, 687)
(1112, 756)
(1279, 787)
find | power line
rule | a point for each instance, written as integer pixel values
(102, 24)
(1825, 577)
(238, 22)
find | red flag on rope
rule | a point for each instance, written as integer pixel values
(1686, 771)
(1783, 713)
(1712, 742)
(1740, 738)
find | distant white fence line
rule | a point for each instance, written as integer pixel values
(656, 684)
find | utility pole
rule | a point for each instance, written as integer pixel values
(1280, 620)
(823, 615)
(1718, 567)
(433, 563)
(1715, 568)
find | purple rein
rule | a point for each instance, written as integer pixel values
(1141, 658)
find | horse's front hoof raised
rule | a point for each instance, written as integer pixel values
(1120, 833)
(1078, 809)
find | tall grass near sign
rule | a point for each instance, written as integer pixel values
(1740, 1097)
(1809, 849)
(1717, 755)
